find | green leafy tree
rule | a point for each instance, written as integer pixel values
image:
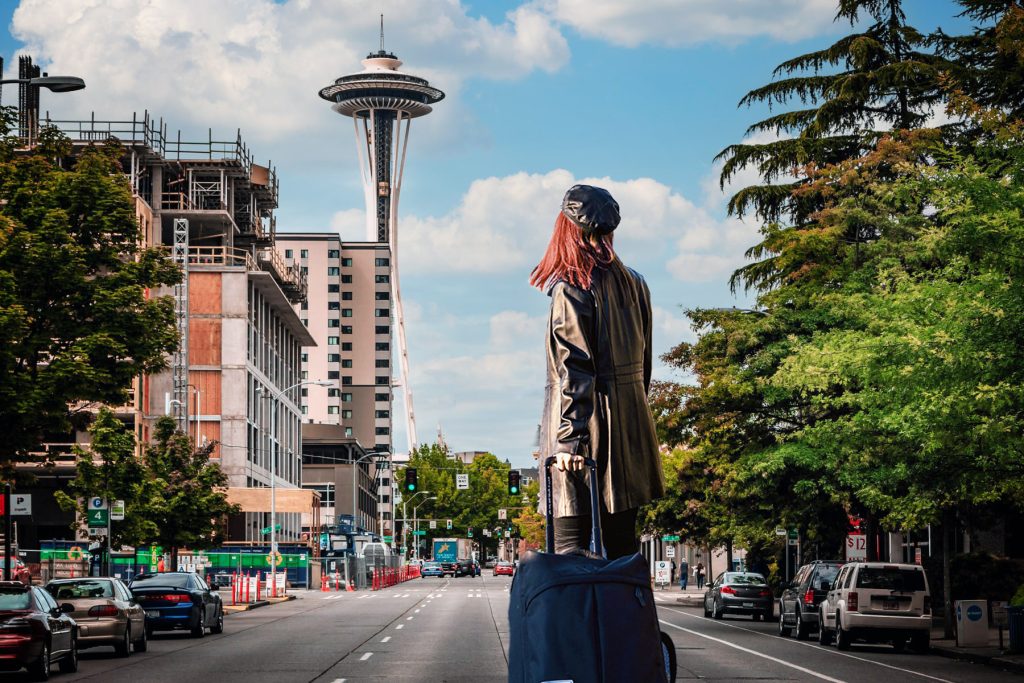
(192, 507)
(76, 323)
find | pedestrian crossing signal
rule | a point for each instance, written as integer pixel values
(411, 483)
(513, 483)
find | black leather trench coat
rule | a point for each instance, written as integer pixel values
(598, 374)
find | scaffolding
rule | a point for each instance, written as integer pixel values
(178, 405)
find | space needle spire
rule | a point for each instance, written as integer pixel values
(382, 101)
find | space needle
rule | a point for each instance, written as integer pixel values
(382, 102)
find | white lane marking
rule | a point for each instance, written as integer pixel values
(416, 611)
(400, 626)
(820, 648)
(406, 595)
(755, 653)
(408, 618)
(385, 639)
(396, 596)
(366, 655)
(339, 680)
(362, 597)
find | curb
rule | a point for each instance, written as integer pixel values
(230, 609)
(977, 658)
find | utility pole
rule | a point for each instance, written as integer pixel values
(7, 531)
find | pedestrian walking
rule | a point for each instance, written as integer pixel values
(598, 374)
(684, 574)
(699, 573)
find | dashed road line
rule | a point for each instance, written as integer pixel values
(366, 655)
(385, 639)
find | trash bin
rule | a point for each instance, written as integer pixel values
(971, 623)
(1015, 617)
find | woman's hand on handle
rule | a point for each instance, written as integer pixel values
(569, 462)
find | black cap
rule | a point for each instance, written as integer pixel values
(591, 208)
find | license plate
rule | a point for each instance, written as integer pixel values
(748, 604)
(152, 613)
(890, 604)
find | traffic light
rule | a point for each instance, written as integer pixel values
(411, 482)
(513, 483)
(469, 532)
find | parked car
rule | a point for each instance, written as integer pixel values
(504, 569)
(179, 600)
(35, 632)
(877, 602)
(738, 593)
(19, 572)
(798, 604)
(431, 569)
(106, 613)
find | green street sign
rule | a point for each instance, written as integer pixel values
(389, 539)
(266, 529)
(419, 532)
(794, 534)
(671, 538)
(98, 518)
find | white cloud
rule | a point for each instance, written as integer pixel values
(516, 330)
(689, 22)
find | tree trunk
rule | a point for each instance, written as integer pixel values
(948, 523)
(728, 555)
(174, 559)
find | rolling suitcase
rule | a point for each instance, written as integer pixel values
(582, 618)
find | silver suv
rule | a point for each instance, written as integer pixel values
(877, 602)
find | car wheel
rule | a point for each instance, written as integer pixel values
(824, 635)
(218, 626)
(707, 612)
(69, 663)
(920, 642)
(199, 630)
(124, 648)
(802, 632)
(716, 611)
(784, 630)
(899, 644)
(842, 637)
(142, 644)
(39, 670)
(756, 616)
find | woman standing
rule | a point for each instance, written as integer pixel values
(598, 375)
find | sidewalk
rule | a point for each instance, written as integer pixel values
(691, 597)
(231, 609)
(990, 654)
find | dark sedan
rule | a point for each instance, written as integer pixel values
(35, 632)
(738, 593)
(179, 601)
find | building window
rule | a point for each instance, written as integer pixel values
(332, 410)
(333, 393)
(382, 262)
(385, 482)
(334, 358)
(382, 379)
(346, 262)
(326, 492)
(288, 253)
(305, 270)
(346, 313)
(304, 253)
(385, 498)
(346, 414)
(333, 253)
(382, 363)
(382, 279)
(346, 279)
(333, 322)
(346, 380)
(304, 306)
(381, 296)
(305, 374)
(383, 312)
(305, 392)
(305, 358)
(346, 296)
(347, 363)
(346, 346)
(382, 414)
(346, 398)
(305, 322)
(305, 410)
(383, 329)
(381, 397)
(348, 431)
(381, 431)
(332, 341)
(333, 305)
(334, 374)
(333, 289)
(383, 346)
(332, 270)
(346, 329)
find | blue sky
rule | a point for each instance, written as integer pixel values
(541, 94)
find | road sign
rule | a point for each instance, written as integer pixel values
(502, 513)
(419, 532)
(670, 551)
(267, 529)
(389, 539)
(449, 524)
(462, 481)
(98, 517)
(856, 547)
(433, 524)
(793, 534)
(671, 538)
(780, 531)
(21, 503)
(117, 511)
(508, 533)
(97, 503)
(662, 572)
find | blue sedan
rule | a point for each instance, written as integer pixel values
(178, 600)
(431, 569)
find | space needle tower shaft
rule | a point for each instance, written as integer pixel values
(382, 101)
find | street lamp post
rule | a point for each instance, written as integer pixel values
(416, 524)
(273, 471)
(355, 474)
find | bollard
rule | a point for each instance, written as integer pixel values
(337, 580)
(323, 582)
(247, 587)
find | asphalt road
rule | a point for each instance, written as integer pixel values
(455, 630)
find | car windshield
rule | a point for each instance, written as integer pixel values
(827, 572)
(15, 598)
(86, 588)
(170, 579)
(744, 579)
(431, 565)
(891, 579)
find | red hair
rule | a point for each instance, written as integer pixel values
(571, 256)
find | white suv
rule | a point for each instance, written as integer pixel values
(877, 602)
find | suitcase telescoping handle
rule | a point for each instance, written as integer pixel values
(596, 546)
